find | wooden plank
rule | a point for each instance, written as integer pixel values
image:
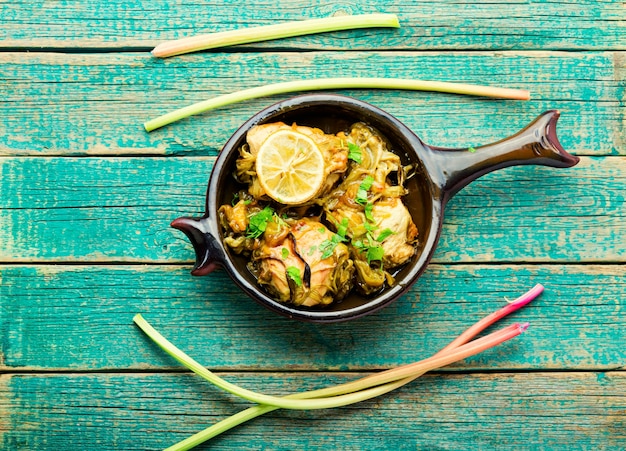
(560, 25)
(477, 411)
(119, 209)
(80, 318)
(95, 104)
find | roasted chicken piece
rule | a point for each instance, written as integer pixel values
(308, 267)
(378, 224)
(393, 219)
(235, 217)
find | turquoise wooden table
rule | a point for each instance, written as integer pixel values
(87, 195)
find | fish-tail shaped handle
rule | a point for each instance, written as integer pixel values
(537, 143)
(209, 253)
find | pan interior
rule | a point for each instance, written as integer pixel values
(332, 117)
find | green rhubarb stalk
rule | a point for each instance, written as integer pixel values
(255, 411)
(276, 31)
(456, 351)
(354, 391)
(258, 410)
(334, 83)
(415, 370)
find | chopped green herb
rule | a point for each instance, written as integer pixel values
(366, 184)
(237, 198)
(258, 222)
(361, 196)
(354, 153)
(369, 227)
(384, 234)
(279, 220)
(342, 228)
(294, 274)
(312, 250)
(327, 247)
(471, 149)
(367, 210)
(322, 230)
(284, 253)
(374, 253)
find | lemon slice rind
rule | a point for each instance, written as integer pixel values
(290, 167)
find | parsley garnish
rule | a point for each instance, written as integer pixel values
(368, 244)
(367, 182)
(280, 220)
(342, 229)
(374, 253)
(258, 222)
(369, 228)
(367, 210)
(284, 252)
(471, 149)
(294, 274)
(237, 198)
(327, 247)
(384, 234)
(361, 194)
(354, 153)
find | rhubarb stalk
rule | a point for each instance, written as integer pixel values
(353, 390)
(276, 31)
(334, 83)
(361, 389)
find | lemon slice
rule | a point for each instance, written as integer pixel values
(290, 167)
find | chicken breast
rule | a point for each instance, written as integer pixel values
(393, 216)
(309, 267)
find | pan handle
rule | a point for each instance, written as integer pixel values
(537, 143)
(209, 253)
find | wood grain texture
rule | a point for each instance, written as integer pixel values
(443, 412)
(558, 25)
(119, 209)
(80, 318)
(95, 104)
(86, 197)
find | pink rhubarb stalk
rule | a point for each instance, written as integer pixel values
(415, 370)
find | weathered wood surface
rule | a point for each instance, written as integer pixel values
(80, 318)
(86, 197)
(525, 411)
(119, 209)
(559, 25)
(95, 104)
